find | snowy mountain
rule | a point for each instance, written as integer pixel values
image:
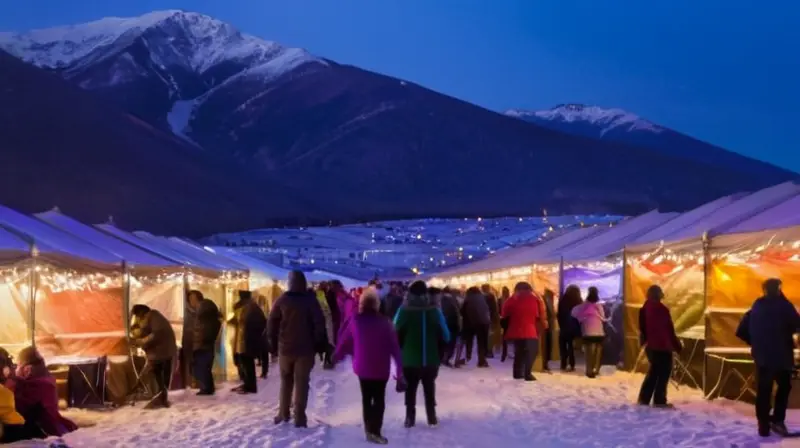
(620, 126)
(601, 121)
(168, 57)
(369, 146)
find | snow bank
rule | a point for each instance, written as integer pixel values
(477, 408)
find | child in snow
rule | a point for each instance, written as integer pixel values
(371, 340)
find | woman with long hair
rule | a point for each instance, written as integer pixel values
(592, 317)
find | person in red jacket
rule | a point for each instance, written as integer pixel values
(522, 314)
(657, 336)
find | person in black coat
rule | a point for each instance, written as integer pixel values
(569, 326)
(452, 317)
(768, 328)
(207, 324)
(477, 319)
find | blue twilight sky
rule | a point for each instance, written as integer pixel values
(725, 71)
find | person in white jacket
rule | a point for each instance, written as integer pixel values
(592, 317)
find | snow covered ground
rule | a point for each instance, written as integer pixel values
(477, 408)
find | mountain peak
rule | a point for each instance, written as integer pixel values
(187, 38)
(605, 118)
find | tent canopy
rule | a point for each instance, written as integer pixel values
(614, 240)
(518, 256)
(132, 255)
(687, 219)
(785, 214)
(726, 217)
(53, 244)
(195, 251)
(270, 270)
(158, 248)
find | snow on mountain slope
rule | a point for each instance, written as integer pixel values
(605, 119)
(192, 40)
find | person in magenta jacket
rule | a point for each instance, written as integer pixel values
(348, 307)
(372, 341)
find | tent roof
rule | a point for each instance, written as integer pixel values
(11, 243)
(785, 214)
(518, 256)
(118, 247)
(201, 256)
(325, 276)
(724, 218)
(270, 270)
(52, 241)
(156, 247)
(686, 219)
(614, 239)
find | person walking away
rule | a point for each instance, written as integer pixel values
(504, 295)
(297, 332)
(207, 324)
(393, 300)
(657, 336)
(591, 316)
(494, 319)
(326, 313)
(522, 311)
(372, 342)
(248, 339)
(452, 317)
(477, 319)
(547, 333)
(153, 333)
(768, 328)
(331, 293)
(569, 327)
(263, 360)
(420, 326)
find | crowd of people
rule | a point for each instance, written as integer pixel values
(415, 327)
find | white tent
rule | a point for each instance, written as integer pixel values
(274, 272)
(726, 217)
(155, 281)
(518, 256)
(685, 220)
(613, 241)
(785, 214)
(15, 312)
(78, 308)
(132, 255)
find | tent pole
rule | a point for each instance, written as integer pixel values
(126, 298)
(624, 297)
(707, 333)
(561, 277)
(33, 281)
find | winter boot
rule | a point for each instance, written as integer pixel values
(411, 417)
(431, 413)
(779, 428)
(377, 439)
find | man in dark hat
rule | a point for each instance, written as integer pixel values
(153, 333)
(250, 325)
(768, 328)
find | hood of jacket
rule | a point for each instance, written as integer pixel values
(413, 301)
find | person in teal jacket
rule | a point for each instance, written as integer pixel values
(421, 330)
